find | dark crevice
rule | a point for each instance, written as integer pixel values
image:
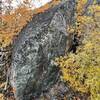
(75, 44)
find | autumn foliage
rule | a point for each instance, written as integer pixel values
(81, 70)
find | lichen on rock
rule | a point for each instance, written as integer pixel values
(42, 40)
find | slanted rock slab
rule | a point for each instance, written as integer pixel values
(33, 70)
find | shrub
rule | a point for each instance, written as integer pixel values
(82, 69)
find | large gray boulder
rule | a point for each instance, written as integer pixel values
(33, 70)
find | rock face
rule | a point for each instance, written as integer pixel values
(33, 70)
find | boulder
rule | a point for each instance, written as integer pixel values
(44, 38)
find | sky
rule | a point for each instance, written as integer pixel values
(34, 3)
